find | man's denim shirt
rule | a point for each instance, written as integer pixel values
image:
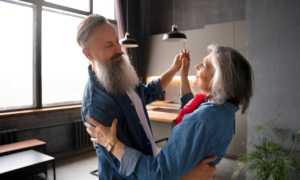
(205, 132)
(104, 107)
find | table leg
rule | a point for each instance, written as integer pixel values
(46, 169)
(54, 169)
(32, 172)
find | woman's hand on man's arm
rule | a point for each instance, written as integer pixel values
(104, 135)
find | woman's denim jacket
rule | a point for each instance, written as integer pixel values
(205, 132)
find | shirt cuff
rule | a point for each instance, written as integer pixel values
(185, 99)
(129, 160)
(158, 88)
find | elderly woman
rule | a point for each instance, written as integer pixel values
(205, 124)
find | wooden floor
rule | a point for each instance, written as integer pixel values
(79, 168)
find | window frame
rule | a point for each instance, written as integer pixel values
(37, 6)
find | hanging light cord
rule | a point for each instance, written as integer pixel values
(193, 14)
(174, 11)
(127, 16)
(183, 41)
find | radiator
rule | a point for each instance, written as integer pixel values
(8, 136)
(82, 138)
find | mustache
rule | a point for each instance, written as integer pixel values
(116, 56)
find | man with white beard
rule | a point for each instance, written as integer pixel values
(114, 91)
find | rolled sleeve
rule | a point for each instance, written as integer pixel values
(152, 91)
(158, 88)
(185, 99)
(129, 160)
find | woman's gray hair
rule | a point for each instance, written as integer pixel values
(86, 25)
(233, 77)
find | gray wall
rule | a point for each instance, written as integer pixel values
(60, 139)
(189, 14)
(273, 35)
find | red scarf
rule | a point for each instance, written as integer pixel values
(190, 106)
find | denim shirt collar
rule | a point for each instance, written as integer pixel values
(94, 79)
(231, 107)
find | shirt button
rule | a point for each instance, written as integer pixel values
(140, 122)
(148, 143)
(131, 104)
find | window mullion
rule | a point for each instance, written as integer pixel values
(64, 8)
(37, 62)
(91, 6)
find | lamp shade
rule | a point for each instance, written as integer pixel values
(174, 36)
(128, 42)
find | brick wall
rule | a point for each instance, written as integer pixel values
(60, 139)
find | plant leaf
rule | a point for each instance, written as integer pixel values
(294, 138)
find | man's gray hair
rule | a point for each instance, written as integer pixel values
(233, 77)
(86, 25)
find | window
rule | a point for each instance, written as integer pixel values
(63, 64)
(41, 64)
(105, 8)
(16, 57)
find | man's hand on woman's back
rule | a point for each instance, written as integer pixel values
(202, 171)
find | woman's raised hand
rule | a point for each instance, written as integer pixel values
(185, 65)
(103, 135)
(184, 53)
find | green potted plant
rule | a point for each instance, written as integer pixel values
(270, 159)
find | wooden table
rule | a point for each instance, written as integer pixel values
(29, 158)
(162, 124)
(162, 116)
(165, 103)
(150, 108)
(21, 146)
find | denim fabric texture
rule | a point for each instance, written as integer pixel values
(185, 99)
(104, 107)
(204, 133)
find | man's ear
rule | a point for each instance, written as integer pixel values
(87, 54)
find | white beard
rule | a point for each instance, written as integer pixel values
(117, 78)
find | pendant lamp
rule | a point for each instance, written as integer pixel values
(174, 35)
(127, 41)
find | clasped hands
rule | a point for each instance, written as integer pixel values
(182, 62)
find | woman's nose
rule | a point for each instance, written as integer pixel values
(197, 67)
